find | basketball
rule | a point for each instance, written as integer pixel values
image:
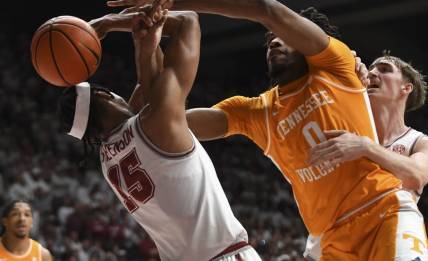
(65, 51)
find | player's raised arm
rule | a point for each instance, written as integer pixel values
(295, 30)
(121, 22)
(148, 55)
(180, 61)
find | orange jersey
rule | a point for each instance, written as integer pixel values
(288, 120)
(34, 253)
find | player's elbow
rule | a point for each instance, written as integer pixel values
(190, 21)
(189, 17)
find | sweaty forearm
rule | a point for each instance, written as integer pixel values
(112, 22)
(299, 33)
(245, 9)
(403, 167)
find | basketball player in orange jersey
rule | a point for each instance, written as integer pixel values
(317, 89)
(394, 87)
(149, 157)
(15, 241)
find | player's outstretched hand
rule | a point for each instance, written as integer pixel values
(121, 3)
(164, 4)
(339, 147)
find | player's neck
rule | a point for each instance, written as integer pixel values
(290, 75)
(389, 122)
(114, 121)
(15, 245)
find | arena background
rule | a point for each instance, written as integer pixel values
(76, 215)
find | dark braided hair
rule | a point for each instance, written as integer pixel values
(8, 208)
(66, 110)
(316, 17)
(321, 20)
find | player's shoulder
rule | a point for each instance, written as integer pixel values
(46, 254)
(241, 101)
(421, 143)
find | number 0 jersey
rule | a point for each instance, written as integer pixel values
(286, 121)
(176, 198)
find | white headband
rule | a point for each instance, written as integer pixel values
(81, 113)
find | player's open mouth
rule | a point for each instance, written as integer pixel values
(372, 87)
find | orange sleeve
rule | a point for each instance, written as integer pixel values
(245, 116)
(338, 60)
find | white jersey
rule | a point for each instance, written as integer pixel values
(404, 145)
(176, 198)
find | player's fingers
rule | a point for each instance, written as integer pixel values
(329, 134)
(327, 156)
(357, 64)
(155, 12)
(118, 3)
(317, 154)
(337, 161)
(145, 19)
(366, 82)
(163, 17)
(166, 3)
(129, 10)
(321, 146)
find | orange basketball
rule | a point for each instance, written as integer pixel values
(65, 51)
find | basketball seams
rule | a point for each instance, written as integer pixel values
(60, 46)
(84, 29)
(35, 49)
(54, 58)
(76, 48)
(35, 46)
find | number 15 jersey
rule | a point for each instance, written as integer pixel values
(286, 121)
(176, 198)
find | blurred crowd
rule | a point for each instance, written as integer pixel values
(77, 216)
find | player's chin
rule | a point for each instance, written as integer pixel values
(21, 234)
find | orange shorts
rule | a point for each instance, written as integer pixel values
(392, 229)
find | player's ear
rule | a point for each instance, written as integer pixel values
(407, 88)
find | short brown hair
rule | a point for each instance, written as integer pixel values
(417, 97)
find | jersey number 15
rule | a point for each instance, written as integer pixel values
(138, 184)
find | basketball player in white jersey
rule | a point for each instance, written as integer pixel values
(151, 160)
(394, 87)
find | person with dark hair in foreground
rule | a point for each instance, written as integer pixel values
(149, 157)
(15, 241)
(317, 89)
